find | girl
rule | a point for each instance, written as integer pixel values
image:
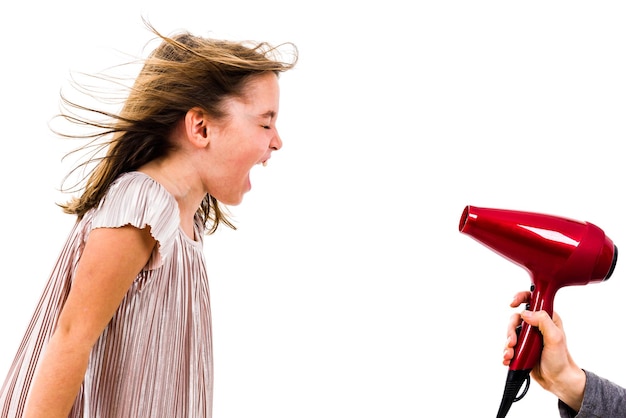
(123, 327)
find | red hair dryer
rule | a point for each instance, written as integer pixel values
(556, 252)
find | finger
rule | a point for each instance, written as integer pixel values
(507, 355)
(519, 298)
(511, 331)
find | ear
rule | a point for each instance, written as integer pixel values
(197, 127)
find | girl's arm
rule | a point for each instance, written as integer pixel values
(110, 262)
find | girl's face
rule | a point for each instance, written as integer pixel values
(245, 138)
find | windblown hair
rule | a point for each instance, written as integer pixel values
(183, 72)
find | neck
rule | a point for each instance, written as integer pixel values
(182, 185)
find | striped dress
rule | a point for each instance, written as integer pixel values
(154, 358)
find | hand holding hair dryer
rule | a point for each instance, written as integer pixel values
(556, 252)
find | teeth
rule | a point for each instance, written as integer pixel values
(264, 163)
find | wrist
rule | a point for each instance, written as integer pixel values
(571, 388)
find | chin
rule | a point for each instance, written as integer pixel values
(232, 201)
(235, 203)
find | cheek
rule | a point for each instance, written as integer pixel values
(244, 159)
(253, 150)
(243, 149)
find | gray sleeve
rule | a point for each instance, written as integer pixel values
(602, 398)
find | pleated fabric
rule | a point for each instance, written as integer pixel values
(154, 358)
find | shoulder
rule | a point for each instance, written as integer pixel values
(136, 182)
(136, 191)
(136, 199)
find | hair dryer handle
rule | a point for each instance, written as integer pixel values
(527, 353)
(529, 340)
(528, 348)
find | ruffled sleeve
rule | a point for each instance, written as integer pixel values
(137, 199)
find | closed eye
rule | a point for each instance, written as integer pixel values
(268, 117)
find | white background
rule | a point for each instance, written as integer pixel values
(347, 290)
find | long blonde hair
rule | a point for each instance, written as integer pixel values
(183, 72)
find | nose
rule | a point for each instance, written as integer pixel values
(276, 142)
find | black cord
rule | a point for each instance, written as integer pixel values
(525, 389)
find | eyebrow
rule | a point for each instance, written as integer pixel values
(268, 114)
